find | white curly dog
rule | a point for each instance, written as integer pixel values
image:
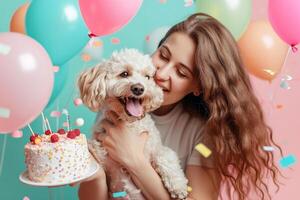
(124, 84)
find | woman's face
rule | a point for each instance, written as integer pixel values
(175, 64)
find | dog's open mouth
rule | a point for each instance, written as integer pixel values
(132, 106)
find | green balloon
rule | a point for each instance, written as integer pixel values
(233, 14)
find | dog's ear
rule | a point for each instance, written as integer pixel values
(92, 87)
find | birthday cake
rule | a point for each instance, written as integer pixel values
(57, 157)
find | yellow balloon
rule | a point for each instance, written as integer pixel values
(262, 51)
(17, 23)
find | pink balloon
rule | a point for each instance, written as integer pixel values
(26, 80)
(284, 16)
(104, 17)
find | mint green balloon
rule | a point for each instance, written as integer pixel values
(58, 26)
(233, 14)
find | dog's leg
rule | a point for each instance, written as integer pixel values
(166, 163)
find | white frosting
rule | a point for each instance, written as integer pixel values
(62, 161)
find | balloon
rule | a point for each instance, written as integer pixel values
(60, 79)
(17, 23)
(154, 38)
(262, 51)
(235, 15)
(93, 50)
(58, 26)
(108, 16)
(26, 80)
(284, 16)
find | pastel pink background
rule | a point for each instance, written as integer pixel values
(284, 120)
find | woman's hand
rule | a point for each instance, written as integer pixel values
(122, 143)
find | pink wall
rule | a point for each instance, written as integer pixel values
(282, 112)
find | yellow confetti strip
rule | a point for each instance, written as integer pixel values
(97, 43)
(203, 150)
(189, 189)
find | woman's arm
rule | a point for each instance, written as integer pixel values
(94, 188)
(149, 182)
(204, 181)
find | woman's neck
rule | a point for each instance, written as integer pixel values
(162, 110)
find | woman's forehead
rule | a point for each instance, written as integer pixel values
(182, 48)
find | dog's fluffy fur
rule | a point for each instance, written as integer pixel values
(106, 87)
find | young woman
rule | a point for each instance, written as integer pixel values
(208, 99)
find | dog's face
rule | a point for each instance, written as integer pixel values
(124, 83)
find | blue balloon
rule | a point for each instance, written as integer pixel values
(58, 26)
(60, 79)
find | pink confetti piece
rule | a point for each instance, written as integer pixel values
(55, 113)
(4, 112)
(115, 40)
(162, 1)
(55, 68)
(4, 49)
(77, 101)
(17, 134)
(188, 3)
(86, 57)
(26, 198)
(65, 124)
(147, 38)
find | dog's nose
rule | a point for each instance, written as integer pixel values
(137, 89)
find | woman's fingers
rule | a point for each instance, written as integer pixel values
(113, 117)
(106, 125)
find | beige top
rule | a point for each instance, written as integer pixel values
(182, 132)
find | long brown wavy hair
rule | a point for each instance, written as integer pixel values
(234, 120)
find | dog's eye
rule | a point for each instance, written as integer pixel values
(124, 74)
(148, 77)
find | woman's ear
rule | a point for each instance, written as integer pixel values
(92, 87)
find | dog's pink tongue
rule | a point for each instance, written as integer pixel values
(134, 107)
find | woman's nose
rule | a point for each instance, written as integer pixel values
(163, 72)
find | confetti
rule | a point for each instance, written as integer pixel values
(79, 122)
(86, 57)
(26, 198)
(279, 106)
(189, 189)
(119, 194)
(55, 68)
(4, 112)
(188, 3)
(288, 77)
(55, 113)
(163, 1)
(115, 40)
(17, 134)
(284, 84)
(65, 111)
(203, 150)
(77, 101)
(287, 161)
(97, 43)
(65, 124)
(4, 49)
(147, 38)
(268, 148)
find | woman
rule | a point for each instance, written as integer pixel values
(208, 99)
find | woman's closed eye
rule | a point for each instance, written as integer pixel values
(163, 56)
(180, 73)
